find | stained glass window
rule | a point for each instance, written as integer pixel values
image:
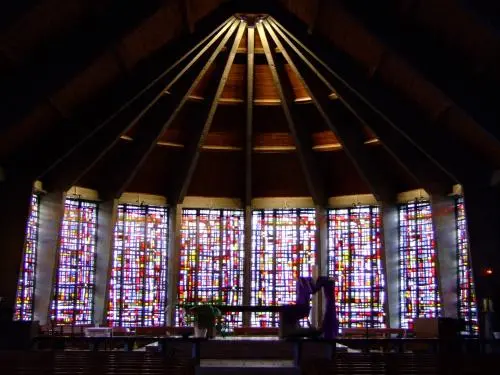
(138, 282)
(467, 309)
(73, 301)
(283, 248)
(211, 260)
(26, 284)
(355, 262)
(419, 296)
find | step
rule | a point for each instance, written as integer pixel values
(246, 366)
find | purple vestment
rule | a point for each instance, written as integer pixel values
(306, 286)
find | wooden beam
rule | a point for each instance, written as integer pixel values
(302, 139)
(418, 164)
(338, 119)
(84, 155)
(147, 140)
(193, 150)
(249, 115)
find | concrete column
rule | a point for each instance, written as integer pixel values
(321, 262)
(106, 220)
(482, 208)
(175, 213)
(322, 240)
(15, 198)
(51, 216)
(247, 266)
(444, 223)
(390, 253)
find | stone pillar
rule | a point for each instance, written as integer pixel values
(390, 253)
(15, 198)
(482, 208)
(51, 216)
(444, 223)
(175, 213)
(106, 220)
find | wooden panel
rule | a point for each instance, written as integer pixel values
(257, 46)
(305, 10)
(173, 136)
(42, 22)
(229, 118)
(152, 34)
(323, 138)
(96, 176)
(235, 86)
(278, 175)
(265, 92)
(199, 91)
(273, 140)
(264, 86)
(401, 76)
(340, 175)
(158, 171)
(218, 174)
(311, 118)
(201, 8)
(86, 85)
(40, 120)
(224, 139)
(269, 119)
(397, 176)
(453, 22)
(299, 90)
(348, 34)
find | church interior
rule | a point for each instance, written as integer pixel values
(231, 186)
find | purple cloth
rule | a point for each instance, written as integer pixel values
(306, 287)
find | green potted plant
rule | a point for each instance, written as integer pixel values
(205, 319)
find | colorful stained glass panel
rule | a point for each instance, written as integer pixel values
(73, 301)
(283, 249)
(467, 309)
(419, 296)
(211, 261)
(26, 284)
(355, 263)
(138, 282)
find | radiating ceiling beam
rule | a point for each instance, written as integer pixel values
(418, 164)
(249, 115)
(301, 138)
(149, 137)
(345, 127)
(84, 155)
(193, 150)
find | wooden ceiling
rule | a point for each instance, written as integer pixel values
(66, 71)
